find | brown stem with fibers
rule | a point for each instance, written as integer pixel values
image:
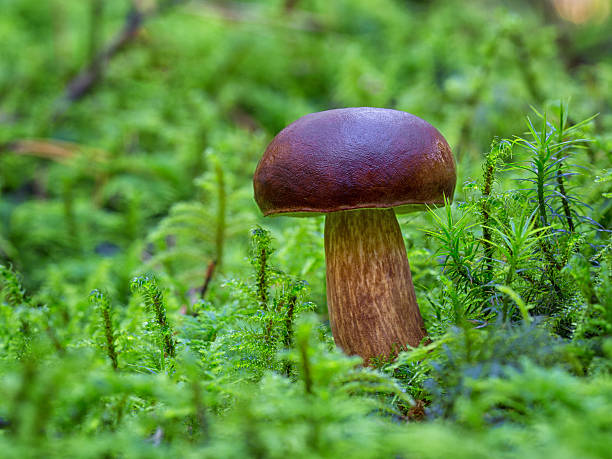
(370, 296)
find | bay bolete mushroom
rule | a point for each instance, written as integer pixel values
(359, 166)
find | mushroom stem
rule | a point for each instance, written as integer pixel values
(370, 296)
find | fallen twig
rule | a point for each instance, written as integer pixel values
(209, 274)
(56, 150)
(84, 81)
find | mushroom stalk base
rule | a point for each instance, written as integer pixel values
(370, 296)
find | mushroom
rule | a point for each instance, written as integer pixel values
(359, 167)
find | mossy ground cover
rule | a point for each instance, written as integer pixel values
(146, 307)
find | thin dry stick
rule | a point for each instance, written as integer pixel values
(81, 84)
(53, 149)
(209, 274)
(89, 76)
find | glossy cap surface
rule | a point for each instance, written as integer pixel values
(354, 158)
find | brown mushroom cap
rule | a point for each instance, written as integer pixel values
(354, 158)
